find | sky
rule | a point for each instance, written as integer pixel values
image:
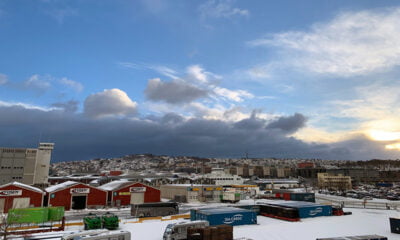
(212, 78)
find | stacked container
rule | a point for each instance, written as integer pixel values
(224, 215)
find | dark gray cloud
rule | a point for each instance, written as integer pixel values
(174, 92)
(78, 137)
(70, 106)
(289, 124)
(110, 102)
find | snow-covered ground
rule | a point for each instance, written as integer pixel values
(361, 222)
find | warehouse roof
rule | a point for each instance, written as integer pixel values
(22, 185)
(61, 186)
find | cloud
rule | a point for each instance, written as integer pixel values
(3, 79)
(78, 87)
(109, 103)
(174, 92)
(234, 95)
(60, 13)
(37, 82)
(290, 124)
(70, 106)
(221, 9)
(353, 43)
(78, 137)
(163, 70)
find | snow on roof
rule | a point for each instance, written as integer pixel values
(22, 185)
(61, 186)
(114, 185)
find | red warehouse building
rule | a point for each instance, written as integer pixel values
(19, 195)
(123, 193)
(75, 195)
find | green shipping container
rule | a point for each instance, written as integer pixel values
(28, 215)
(56, 213)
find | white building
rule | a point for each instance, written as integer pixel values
(26, 165)
(222, 178)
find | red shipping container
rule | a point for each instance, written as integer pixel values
(286, 196)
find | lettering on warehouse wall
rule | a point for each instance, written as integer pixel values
(10, 192)
(80, 190)
(137, 189)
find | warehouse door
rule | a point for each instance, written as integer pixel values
(79, 202)
(137, 198)
(2, 201)
(21, 202)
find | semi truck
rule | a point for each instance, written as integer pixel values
(178, 231)
(154, 209)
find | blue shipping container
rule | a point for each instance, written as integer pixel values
(225, 215)
(307, 209)
(307, 197)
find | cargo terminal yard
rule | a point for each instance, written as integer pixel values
(360, 222)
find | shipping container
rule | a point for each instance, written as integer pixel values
(154, 209)
(300, 196)
(394, 225)
(287, 196)
(230, 197)
(28, 215)
(225, 215)
(384, 184)
(365, 237)
(307, 209)
(283, 213)
(254, 208)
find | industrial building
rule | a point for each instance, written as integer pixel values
(19, 195)
(26, 165)
(124, 193)
(191, 192)
(74, 195)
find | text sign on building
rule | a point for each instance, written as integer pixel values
(80, 190)
(10, 192)
(137, 189)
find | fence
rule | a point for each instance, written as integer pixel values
(360, 203)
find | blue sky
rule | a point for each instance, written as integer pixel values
(324, 74)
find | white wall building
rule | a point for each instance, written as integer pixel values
(26, 165)
(222, 178)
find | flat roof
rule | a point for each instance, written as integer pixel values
(222, 210)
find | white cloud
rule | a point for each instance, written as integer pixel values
(233, 95)
(37, 82)
(221, 9)
(163, 70)
(109, 103)
(353, 43)
(3, 79)
(72, 84)
(26, 106)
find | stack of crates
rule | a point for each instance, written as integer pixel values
(220, 232)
